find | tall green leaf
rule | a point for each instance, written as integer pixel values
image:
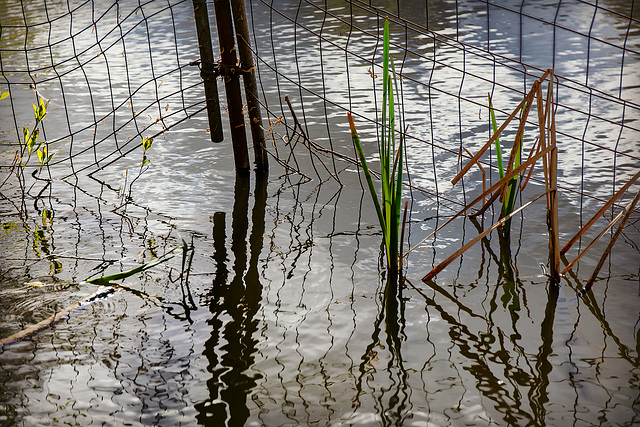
(497, 141)
(388, 206)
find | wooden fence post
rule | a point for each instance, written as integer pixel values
(552, 200)
(230, 72)
(250, 86)
(207, 69)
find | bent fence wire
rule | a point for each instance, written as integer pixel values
(329, 54)
(121, 71)
(115, 73)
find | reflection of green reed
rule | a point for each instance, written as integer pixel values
(390, 162)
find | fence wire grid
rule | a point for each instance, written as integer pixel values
(118, 72)
(123, 70)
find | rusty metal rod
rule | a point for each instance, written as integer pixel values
(230, 73)
(207, 69)
(250, 86)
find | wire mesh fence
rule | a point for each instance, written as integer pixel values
(120, 71)
(116, 73)
(327, 56)
(112, 72)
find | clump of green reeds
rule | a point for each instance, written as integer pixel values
(390, 150)
(507, 187)
(509, 197)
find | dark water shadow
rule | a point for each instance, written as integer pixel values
(231, 347)
(393, 400)
(485, 350)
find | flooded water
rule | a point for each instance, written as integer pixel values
(282, 319)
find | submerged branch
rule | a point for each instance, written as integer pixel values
(434, 272)
(61, 315)
(99, 294)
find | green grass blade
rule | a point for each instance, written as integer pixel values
(386, 155)
(388, 204)
(385, 78)
(513, 184)
(367, 174)
(510, 201)
(123, 275)
(497, 141)
(388, 170)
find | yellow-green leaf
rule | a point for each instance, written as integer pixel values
(42, 153)
(146, 143)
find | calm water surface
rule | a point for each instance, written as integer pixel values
(282, 320)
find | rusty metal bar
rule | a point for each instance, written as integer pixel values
(207, 69)
(250, 86)
(229, 71)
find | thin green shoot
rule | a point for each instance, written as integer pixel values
(105, 280)
(31, 138)
(497, 141)
(509, 202)
(388, 206)
(513, 183)
(146, 145)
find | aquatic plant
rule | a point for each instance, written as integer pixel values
(390, 150)
(125, 192)
(506, 188)
(31, 138)
(509, 196)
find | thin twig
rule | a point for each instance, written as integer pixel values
(607, 251)
(460, 251)
(50, 321)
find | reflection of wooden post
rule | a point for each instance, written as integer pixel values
(230, 72)
(206, 60)
(250, 86)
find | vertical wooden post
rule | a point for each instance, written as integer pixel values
(230, 72)
(250, 86)
(552, 198)
(206, 60)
